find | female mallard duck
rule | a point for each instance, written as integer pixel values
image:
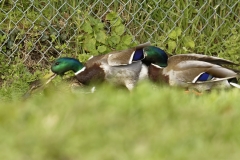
(120, 67)
(195, 71)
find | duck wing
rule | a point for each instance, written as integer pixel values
(200, 57)
(127, 56)
(194, 70)
(117, 58)
(95, 60)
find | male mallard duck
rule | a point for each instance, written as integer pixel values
(120, 67)
(196, 71)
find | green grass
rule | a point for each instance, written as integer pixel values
(148, 123)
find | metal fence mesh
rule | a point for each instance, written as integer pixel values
(28, 28)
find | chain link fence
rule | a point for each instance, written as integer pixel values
(36, 31)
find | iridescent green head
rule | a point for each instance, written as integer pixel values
(64, 64)
(155, 55)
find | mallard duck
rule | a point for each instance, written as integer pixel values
(119, 67)
(200, 72)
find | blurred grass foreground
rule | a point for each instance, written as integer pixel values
(159, 123)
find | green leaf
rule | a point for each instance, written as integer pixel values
(116, 22)
(127, 39)
(172, 45)
(191, 44)
(135, 43)
(178, 31)
(119, 30)
(87, 27)
(84, 57)
(188, 42)
(113, 40)
(93, 20)
(234, 31)
(89, 44)
(100, 25)
(94, 52)
(121, 47)
(173, 35)
(102, 48)
(79, 38)
(88, 36)
(2, 38)
(112, 15)
(101, 37)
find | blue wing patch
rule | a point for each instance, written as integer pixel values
(138, 55)
(204, 77)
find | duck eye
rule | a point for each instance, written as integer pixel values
(57, 63)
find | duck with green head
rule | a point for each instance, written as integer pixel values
(195, 71)
(119, 67)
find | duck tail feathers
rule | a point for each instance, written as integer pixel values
(234, 84)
